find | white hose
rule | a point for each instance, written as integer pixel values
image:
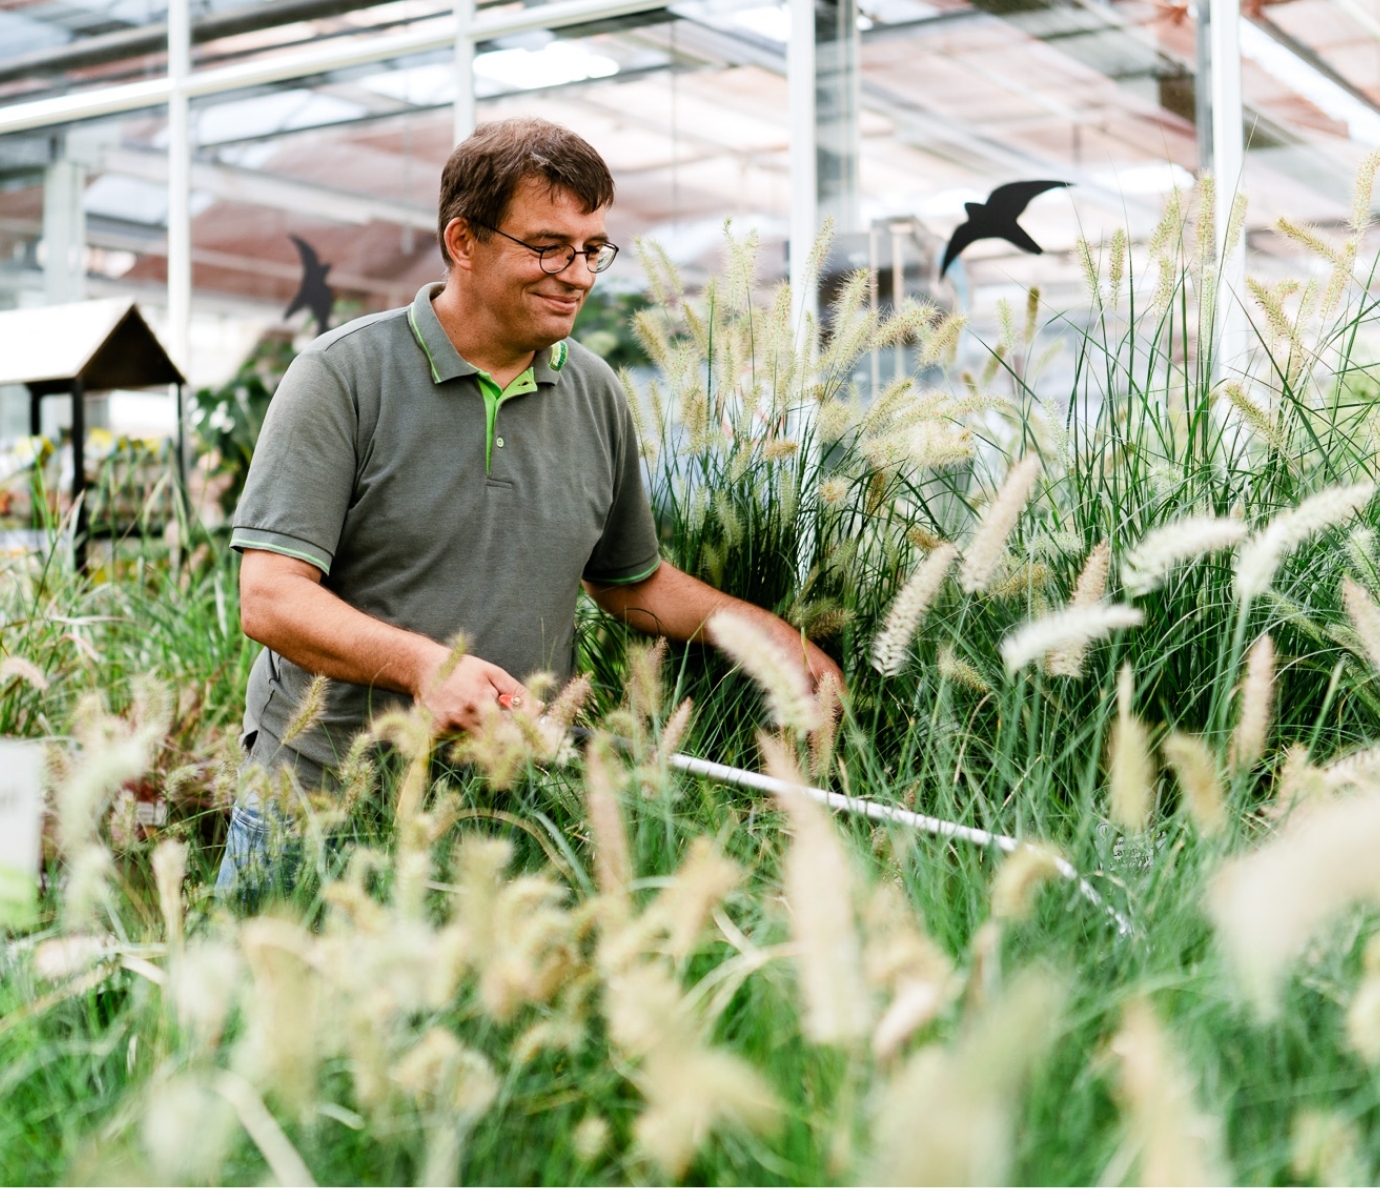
(883, 812)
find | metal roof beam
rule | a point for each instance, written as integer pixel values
(228, 183)
(309, 62)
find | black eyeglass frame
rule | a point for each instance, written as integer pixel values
(591, 255)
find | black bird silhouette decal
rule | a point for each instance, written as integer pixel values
(996, 219)
(314, 294)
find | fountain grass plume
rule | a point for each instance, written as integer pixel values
(1257, 703)
(1088, 591)
(1151, 561)
(1076, 627)
(891, 649)
(1130, 761)
(1365, 618)
(1268, 905)
(819, 890)
(1195, 767)
(984, 552)
(1262, 554)
(781, 677)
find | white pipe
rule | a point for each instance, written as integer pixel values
(804, 213)
(179, 186)
(303, 63)
(1228, 158)
(883, 812)
(464, 69)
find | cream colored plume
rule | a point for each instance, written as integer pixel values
(1266, 550)
(1363, 1017)
(984, 552)
(902, 961)
(781, 675)
(1268, 905)
(1195, 767)
(1076, 627)
(1130, 761)
(1365, 618)
(1158, 553)
(1089, 591)
(819, 891)
(891, 648)
(1257, 704)
(1020, 877)
(1169, 1139)
(947, 1117)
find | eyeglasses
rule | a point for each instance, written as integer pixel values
(557, 257)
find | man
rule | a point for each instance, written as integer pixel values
(457, 466)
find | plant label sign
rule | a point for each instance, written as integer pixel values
(21, 829)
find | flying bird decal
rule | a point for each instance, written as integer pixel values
(996, 219)
(314, 294)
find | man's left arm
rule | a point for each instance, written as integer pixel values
(672, 603)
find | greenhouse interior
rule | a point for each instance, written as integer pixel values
(877, 680)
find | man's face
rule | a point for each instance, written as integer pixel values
(536, 308)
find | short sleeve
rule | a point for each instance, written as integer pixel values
(303, 470)
(627, 551)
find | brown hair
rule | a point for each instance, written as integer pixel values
(487, 167)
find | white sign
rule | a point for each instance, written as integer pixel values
(21, 817)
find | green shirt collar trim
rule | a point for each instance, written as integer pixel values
(446, 362)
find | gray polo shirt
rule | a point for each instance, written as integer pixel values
(433, 502)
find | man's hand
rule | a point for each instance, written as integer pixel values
(457, 700)
(674, 604)
(284, 606)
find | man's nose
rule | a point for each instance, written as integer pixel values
(577, 273)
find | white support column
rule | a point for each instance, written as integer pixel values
(64, 231)
(800, 88)
(180, 216)
(179, 185)
(465, 108)
(1228, 160)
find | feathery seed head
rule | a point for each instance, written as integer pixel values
(1176, 1143)
(819, 889)
(1150, 562)
(1089, 591)
(985, 551)
(1131, 762)
(1265, 551)
(891, 648)
(1195, 767)
(782, 677)
(955, 669)
(1257, 701)
(1364, 616)
(1267, 905)
(1362, 194)
(1021, 876)
(17, 668)
(1076, 627)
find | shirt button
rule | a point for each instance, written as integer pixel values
(499, 443)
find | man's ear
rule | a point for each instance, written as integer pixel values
(460, 242)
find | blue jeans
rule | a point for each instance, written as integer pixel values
(263, 852)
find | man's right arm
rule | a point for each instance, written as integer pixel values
(284, 606)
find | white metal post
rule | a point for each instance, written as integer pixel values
(800, 89)
(180, 216)
(1228, 159)
(64, 231)
(464, 69)
(179, 184)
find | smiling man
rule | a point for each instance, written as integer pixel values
(456, 466)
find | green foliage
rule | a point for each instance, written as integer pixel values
(604, 325)
(849, 1001)
(227, 419)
